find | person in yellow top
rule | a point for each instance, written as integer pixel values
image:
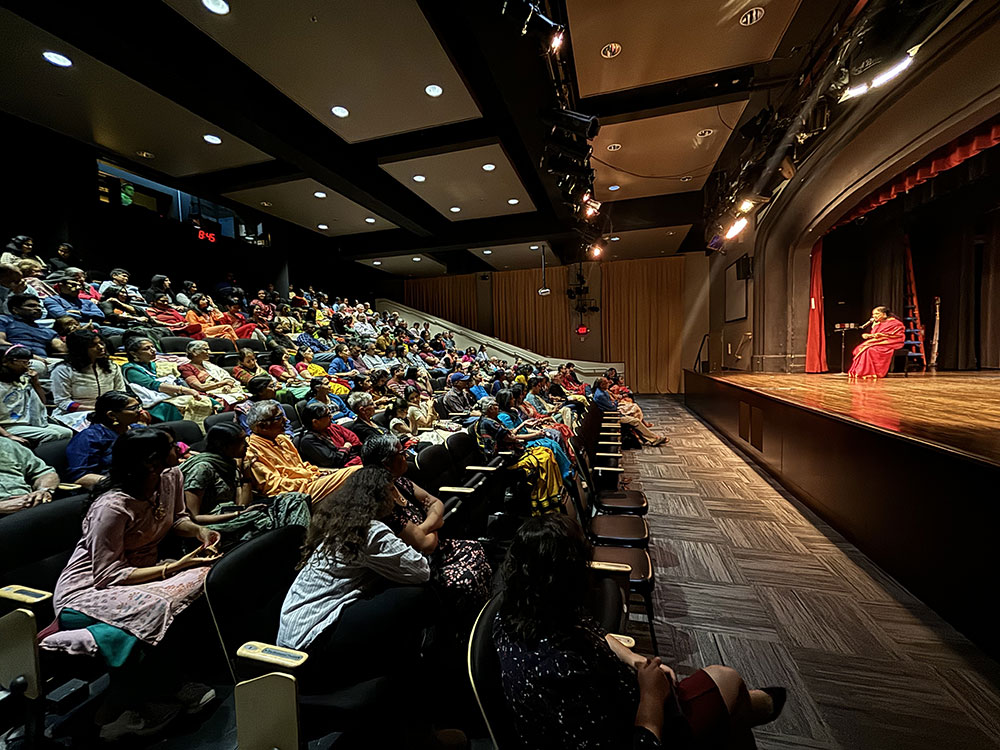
(275, 463)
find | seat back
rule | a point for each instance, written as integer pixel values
(224, 417)
(185, 430)
(53, 453)
(254, 344)
(436, 468)
(114, 342)
(246, 587)
(484, 674)
(36, 543)
(463, 449)
(220, 345)
(381, 418)
(292, 415)
(174, 344)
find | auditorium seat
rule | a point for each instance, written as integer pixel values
(226, 417)
(184, 430)
(53, 452)
(253, 344)
(222, 346)
(174, 344)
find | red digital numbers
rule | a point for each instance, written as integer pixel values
(203, 235)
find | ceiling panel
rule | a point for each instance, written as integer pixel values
(646, 243)
(663, 41)
(96, 104)
(295, 201)
(373, 58)
(404, 265)
(665, 150)
(517, 256)
(457, 179)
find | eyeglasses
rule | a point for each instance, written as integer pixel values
(272, 420)
(132, 407)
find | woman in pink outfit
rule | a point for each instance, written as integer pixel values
(873, 356)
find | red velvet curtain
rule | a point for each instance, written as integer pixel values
(816, 335)
(946, 157)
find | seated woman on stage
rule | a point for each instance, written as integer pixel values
(873, 356)
(569, 684)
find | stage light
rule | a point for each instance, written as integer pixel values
(560, 163)
(895, 70)
(60, 61)
(319, 194)
(433, 91)
(369, 219)
(534, 247)
(586, 126)
(218, 7)
(340, 112)
(556, 42)
(613, 188)
(544, 292)
(591, 209)
(737, 226)
(454, 209)
(596, 250)
(571, 145)
(746, 205)
(489, 167)
(854, 92)
(322, 226)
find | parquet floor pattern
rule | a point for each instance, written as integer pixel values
(748, 577)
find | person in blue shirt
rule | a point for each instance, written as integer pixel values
(20, 327)
(66, 301)
(510, 418)
(477, 389)
(88, 455)
(339, 367)
(319, 392)
(603, 399)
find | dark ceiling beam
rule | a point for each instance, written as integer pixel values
(242, 178)
(695, 92)
(638, 213)
(427, 141)
(143, 40)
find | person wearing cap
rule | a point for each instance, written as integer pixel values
(458, 399)
(67, 302)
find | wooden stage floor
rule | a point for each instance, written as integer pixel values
(959, 410)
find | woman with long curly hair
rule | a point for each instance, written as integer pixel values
(570, 685)
(85, 375)
(357, 606)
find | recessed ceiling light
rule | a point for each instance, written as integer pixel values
(213, 139)
(614, 146)
(610, 50)
(370, 219)
(454, 209)
(433, 90)
(705, 133)
(670, 233)
(319, 194)
(60, 61)
(418, 178)
(612, 188)
(376, 263)
(219, 7)
(266, 204)
(322, 226)
(145, 154)
(340, 112)
(489, 167)
(615, 238)
(687, 178)
(513, 201)
(534, 247)
(752, 16)
(487, 252)
(416, 259)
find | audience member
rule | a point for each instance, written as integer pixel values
(219, 491)
(509, 416)
(63, 258)
(161, 311)
(165, 401)
(205, 377)
(201, 312)
(319, 392)
(88, 455)
(23, 418)
(458, 400)
(20, 327)
(364, 426)
(117, 597)
(18, 248)
(323, 443)
(608, 404)
(85, 375)
(25, 480)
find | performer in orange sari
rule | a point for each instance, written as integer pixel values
(873, 356)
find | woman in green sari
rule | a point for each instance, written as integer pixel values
(219, 491)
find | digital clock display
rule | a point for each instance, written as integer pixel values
(207, 236)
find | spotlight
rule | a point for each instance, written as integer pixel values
(556, 42)
(322, 226)
(559, 163)
(570, 145)
(219, 7)
(340, 112)
(433, 90)
(596, 250)
(746, 205)
(544, 292)
(575, 123)
(376, 263)
(591, 209)
(319, 194)
(737, 226)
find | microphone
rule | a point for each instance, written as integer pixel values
(870, 321)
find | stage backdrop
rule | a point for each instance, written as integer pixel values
(449, 297)
(523, 318)
(642, 313)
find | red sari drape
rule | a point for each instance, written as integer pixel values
(873, 356)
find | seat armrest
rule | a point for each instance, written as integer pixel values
(271, 654)
(505, 453)
(24, 594)
(609, 442)
(609, 567)
(69, 487)
(608, 468)
(609, 455)
(457, 490)
(476, 467)
(626, 640)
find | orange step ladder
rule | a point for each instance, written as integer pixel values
(914, 343)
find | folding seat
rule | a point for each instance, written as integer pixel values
(174, 344)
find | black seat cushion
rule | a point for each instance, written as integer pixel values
(620, 528)
(623, 501)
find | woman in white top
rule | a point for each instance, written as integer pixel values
(85, 375)
(356, 606)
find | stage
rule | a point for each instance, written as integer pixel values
(954, 410)
(906, 468)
